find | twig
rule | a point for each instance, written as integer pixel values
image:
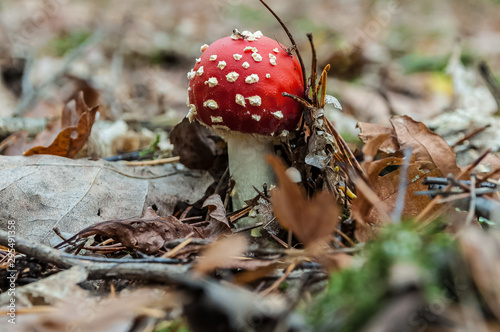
(154, 270)
(176, 250)
(470, 135)
(314, 74)
(247, 228)
(292, 40)
(153, 162)
(435, 200)
(472, 203)
(194, 241)
(159, 260)
(445, 181)
(344, 147)
(278, 282)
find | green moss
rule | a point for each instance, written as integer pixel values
(347, 304)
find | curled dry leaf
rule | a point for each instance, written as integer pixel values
(150, 233)
(196, 145)
(216, 209)
(310, 220)
(425, 144)
(386, 187)
(146, 235)
(219, 253)
(71, 139)
(371, 130)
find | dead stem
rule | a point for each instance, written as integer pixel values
(314, 74)
(344, 147)
(322, 86)
(292, 40)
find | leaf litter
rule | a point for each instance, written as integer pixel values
(330, 230)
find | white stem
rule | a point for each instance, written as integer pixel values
(248, 167)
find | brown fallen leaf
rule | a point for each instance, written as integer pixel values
(219, 253)
(372, 146)
(310, 220)
(149, 233)
(73, 137)
(196, 145)
(146, 235)
(216, 209)
(371, 130)
(425, 144)
(383, 189)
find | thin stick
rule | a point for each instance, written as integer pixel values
(176, 250)
(278, 282)
(298, 99)
(292, 40)
(343, 145)
(150, 269)
(435, 200)
(153, 162)
(473, 200)
(470, 135)
(351, 242)
(314, 73)
(403, 183)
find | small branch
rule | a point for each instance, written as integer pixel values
(344, 147)
(292, 40)
(470, 135)
(151, 271)
(298, 99)
(403, 183)
(314, 74)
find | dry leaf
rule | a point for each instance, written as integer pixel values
(195, 144)
(309, 220)
(43, 191)
(71, 139)
(146, 235)
(425, 145)
(219, 253)
(216, 209)
(386, 189)
(371, 130)
(150, 233)
(371, 147)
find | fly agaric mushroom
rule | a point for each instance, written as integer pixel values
(236, 88)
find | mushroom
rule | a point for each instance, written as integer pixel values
(236, 89)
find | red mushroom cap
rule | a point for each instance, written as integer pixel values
(237, 83)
